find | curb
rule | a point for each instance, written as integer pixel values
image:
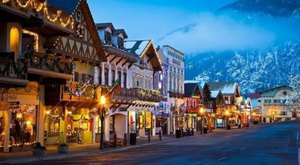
(79, 154)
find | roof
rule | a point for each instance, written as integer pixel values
(132, 58)
(224, 87)
(168, 46)
(254, 95)
(273, 91)
(142, 48)
(190, 89)
(137, 47)
(105, 25)
(118, 31)
(68, 6)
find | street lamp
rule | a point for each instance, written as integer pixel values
(101, 113)
(201, 111)
(227, 119)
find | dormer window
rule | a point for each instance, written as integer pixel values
(120, 43)
(108, 38)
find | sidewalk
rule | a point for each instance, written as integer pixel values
(77, 150)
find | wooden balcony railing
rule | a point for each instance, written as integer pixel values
(49, 63)
(11, 69)
(138, 94)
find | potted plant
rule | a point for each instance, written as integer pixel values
(63, 148)
(38, 149)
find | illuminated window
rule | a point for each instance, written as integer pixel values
(14, 40)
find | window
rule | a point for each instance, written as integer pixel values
(284, 93)
(106, 76)
(108, 38)
(119, 75)
(113, 72)
(124, 79)
(76, 76)
(120, 43)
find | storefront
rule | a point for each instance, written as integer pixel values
(140, 122)
(18, 118)
(73, 124)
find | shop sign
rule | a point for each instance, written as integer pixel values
(4, 105)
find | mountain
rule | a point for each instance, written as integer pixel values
(281, 8)
(253, 70)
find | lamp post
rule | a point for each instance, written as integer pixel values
(227, 119)
(201, 111)
(102, 102)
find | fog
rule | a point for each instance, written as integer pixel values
(231, 31)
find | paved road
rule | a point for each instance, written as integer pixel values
(268, 144)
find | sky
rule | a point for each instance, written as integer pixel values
(191, 26)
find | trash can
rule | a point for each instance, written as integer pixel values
(205, 130)
(132, 138)
(228, 127)
(178, 133)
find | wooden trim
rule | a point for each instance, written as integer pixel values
(119, 61)
(124, 62)
(112, 59)
(49, 73)
(13, 81)
(93, 32)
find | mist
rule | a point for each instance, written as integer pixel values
(232, 32)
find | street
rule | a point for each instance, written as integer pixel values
(266, 144)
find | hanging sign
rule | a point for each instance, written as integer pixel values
(4, 106)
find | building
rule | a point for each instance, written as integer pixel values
(224, 100)
(48, 72)
(142, 111)
(116, 68)
(272, 104)
(172, 84)
(193, 117)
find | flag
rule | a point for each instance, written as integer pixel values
(115, 89)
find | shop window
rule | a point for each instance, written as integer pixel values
(2, 125)
(23, 125)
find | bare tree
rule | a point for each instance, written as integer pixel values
(293, 99)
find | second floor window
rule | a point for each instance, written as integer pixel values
(106, 76)
(124, 79)
(113, 75)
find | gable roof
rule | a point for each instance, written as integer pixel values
(190, 89)
(273, 91)
(224, 87)
(122, 31)
(72, 6)
(105, 25)
(141, 47)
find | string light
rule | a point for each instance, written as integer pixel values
(5, 1)
(42, 7)
(23, 6)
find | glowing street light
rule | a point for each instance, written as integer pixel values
(102, 102)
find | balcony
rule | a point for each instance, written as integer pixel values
(11, 72)
(49, 66)
(133, 94)
(72, 94)
(176, 94)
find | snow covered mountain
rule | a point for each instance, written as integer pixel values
(254, 70)
(281, 8)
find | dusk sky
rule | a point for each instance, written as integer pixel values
(190, 26)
